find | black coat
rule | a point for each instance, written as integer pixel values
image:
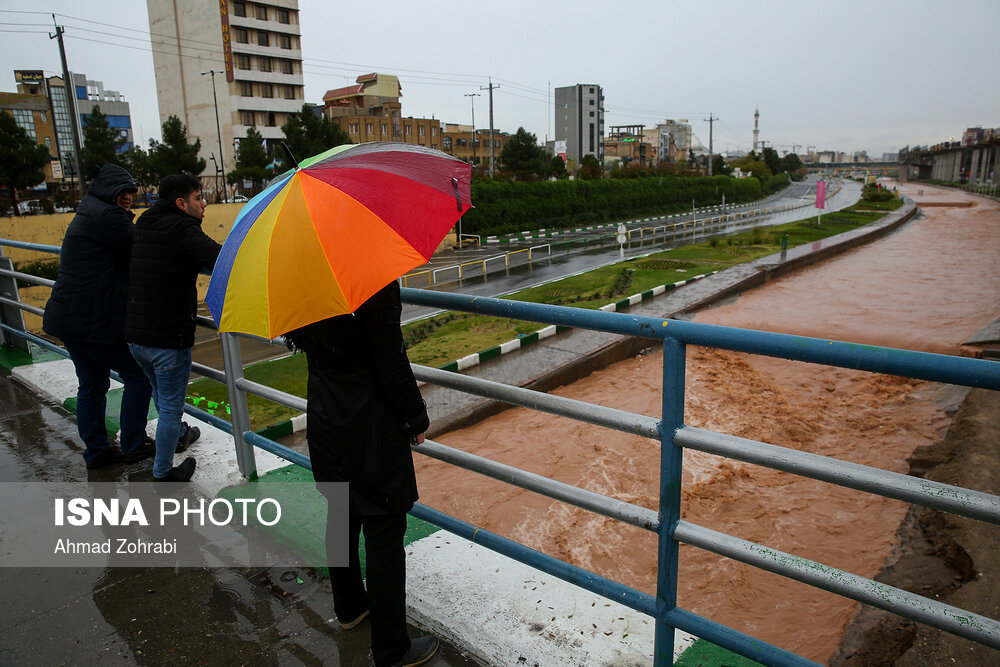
(170, 251)
(88, 300)
(364, 404)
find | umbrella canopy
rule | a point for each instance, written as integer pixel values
(324, 237)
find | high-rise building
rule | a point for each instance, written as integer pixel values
(579, 121)
(255, 52)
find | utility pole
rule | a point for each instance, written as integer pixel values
(218, 129)
(74, 117)
(490, 88)
(472, 98)
(711, 119)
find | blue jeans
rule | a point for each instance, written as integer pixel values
(93, 363)
(168, 371)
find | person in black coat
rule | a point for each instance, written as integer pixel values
(364, 411)
(170, 251)
(87, 312)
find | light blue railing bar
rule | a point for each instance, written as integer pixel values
(24, 245)
(954, 499)
(937, 614)
(613, 418)
(907, 363)
(588, 500)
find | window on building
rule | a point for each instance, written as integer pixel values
(385, 128)
(591, 114)
(591, 137)
(241, 36)
(289, 92)
(409, 130)
(446, 143)
(287, 67)
(284, 17)
(591, 91)
(352, 128)
(420, 130)
(591, 102)
(25, 121)
(240, 8)
(266, 90)
(48, 143)
(370, 128)
(247, 118)
(263, 39)
(242, 61)
(45, 117)
(246, 90)
(263, 63)
(271, 120)
(434, 130)
(260, 12)
(285, 41)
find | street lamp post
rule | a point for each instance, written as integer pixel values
(472, 98)
(218, 129)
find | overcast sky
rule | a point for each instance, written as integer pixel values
(848, 75)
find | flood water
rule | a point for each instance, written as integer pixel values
(928, 286)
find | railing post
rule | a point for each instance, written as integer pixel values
(11, 315)
(232, 364)
(670, 497)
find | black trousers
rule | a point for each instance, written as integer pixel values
(385, 567)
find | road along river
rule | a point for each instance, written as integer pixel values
(928, 286)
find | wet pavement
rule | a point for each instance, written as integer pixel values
(144, 616)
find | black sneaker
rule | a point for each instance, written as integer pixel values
(181, 473)
(190, 435)
(421, 650)
(108, 457)
(144, 451)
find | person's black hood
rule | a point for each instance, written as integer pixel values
(109, 181)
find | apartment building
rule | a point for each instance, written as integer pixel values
(370, 110)
(458, 140)
(32, 114)
(248, 53)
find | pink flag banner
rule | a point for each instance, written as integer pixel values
(820, 194)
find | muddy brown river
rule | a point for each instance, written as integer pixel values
(928, 286)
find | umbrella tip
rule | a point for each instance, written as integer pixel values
(288, 152)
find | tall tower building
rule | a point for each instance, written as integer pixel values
(255, 50)
(579, 121)
(756, 128)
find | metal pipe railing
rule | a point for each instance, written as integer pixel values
(954, 499)
(673, 436)
(937, 614)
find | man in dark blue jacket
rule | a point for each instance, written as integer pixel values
(169, 252)
(87, 312)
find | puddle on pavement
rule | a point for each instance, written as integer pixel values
(927, 286)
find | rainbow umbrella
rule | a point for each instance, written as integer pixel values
(324, 237)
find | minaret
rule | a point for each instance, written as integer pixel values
(756, 129)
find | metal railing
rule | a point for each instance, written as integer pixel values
(673, 435)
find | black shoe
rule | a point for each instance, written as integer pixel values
(108, 457)
(190, 434)
(144, 451)
(350, 625)
(181, 473)
(421, 650)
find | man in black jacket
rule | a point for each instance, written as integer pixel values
(87, 312)
(170, 251)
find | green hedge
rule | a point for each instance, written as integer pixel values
(508, 207)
